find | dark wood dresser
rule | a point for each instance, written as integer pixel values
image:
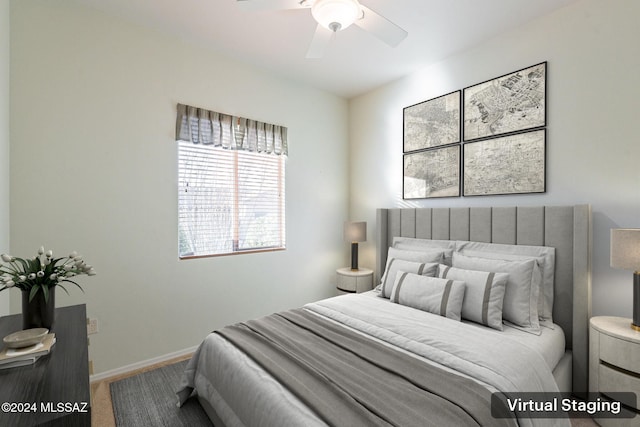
(54, 391)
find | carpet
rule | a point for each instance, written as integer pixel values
(149, 399)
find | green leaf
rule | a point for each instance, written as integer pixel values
(71, 281)
(33, 292)
(25, 266)
(63, 288)
(45, 289)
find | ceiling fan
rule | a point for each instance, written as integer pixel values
(333, 16)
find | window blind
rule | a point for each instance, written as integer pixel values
(230, 200)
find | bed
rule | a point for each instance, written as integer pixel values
(388, 353)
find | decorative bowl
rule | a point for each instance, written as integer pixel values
(25, 338)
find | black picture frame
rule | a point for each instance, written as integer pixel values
(511, 164)
(432, 123)
(433, 173)
(511, 103)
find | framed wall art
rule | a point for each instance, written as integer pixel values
(511, 103)
(432, 123)
(513, 164)
(432, 173)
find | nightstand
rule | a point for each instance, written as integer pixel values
(352, 281)
(614, 361)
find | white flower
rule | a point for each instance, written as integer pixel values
(91, 272)
(40, 274)
(53, 276)
(31, 276)
(7, 258)
(77, 258)
(49, 253)
(73, 254)
(41, 250)
(22, 278)
(47, 261)
(9, 283)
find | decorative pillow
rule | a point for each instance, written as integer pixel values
(484, 294)
(430, 256)
(394, 265)
(520, 305)
(437, 296)
(409, 243)
(416, 255)
(545, 257)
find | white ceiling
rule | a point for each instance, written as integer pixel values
(355, 61)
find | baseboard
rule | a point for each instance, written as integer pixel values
(140, 365)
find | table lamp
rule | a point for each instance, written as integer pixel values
(355, 232)
(625, 254)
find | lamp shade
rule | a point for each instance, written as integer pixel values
(335, 15)
(355, 231)
(625, 248)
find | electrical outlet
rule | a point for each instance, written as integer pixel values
(92, 326)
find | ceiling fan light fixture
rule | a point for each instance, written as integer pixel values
(336, 15)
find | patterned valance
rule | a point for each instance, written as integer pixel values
(202, 126)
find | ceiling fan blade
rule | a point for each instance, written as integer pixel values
(320, 41)
(381, 27)
(273, 4)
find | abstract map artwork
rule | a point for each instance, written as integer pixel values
(513, 164)
(510, 103)
(432, 123)
(432, 173)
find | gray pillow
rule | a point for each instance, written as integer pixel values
(394, 265)
(520, 306)
(410, 243)
(545, 257)
(438, 296)
(484, 294)
(432, 255)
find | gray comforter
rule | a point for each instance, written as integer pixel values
(245, 394)
(350, 380)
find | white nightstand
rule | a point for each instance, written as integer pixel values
(614, 361)
(354, 280)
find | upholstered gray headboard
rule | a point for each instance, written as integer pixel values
(566, 228)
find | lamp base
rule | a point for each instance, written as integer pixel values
(635, 325)
(354, 256)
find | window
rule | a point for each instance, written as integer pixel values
(230, 200)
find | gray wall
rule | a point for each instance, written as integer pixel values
(4, 139)
(592, 137)
(94, 170)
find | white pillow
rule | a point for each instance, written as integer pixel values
(520, 307)
(545, 257)
(394, 265)
(438, 296)
(416, 255)
(430, 256)
(484, 294)
(410, 243)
